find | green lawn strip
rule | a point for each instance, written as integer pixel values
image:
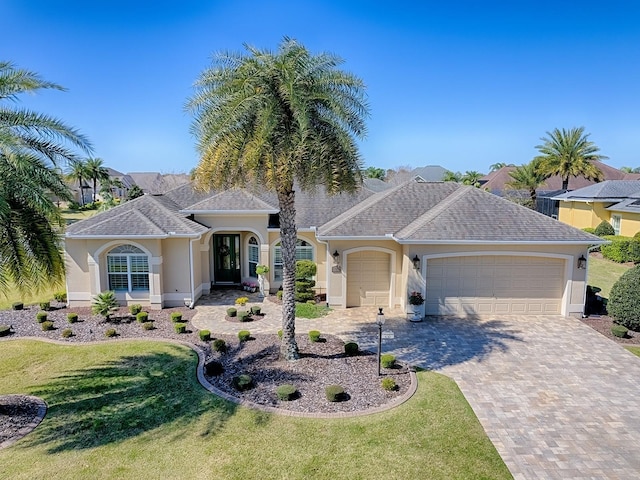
(604, 273)
(72, 216)
(311, 310)
(11, 294)
(634, 350)
(135, 410)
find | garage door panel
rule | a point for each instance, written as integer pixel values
(368, 278)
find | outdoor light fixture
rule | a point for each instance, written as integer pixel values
(582, 262)
(380, 323)
(416, 263)
(336, 257)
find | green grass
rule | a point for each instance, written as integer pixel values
(72, 216)
(310, 310)
(12, 295)
(135, 410)
(634, 350)
(604, 273)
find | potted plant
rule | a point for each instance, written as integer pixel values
(416, 300)
(261, 270)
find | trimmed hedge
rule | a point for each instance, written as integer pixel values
(46, 306)
(47, 326)
(110, 333)
(589, 230)
(351, 349)
(205, 335)
(314, 336)
(41, 317)
(244, 335)
(286, 392)
(232, 312)
(180, 327)
(604, 228)
(621, 249)
(242, 382)
(334, 393)
(255, 310)
(142, 317)
(148, 326)
(387, 360)
(176, 317)
(66, 333)
(219, 345)
(72, 317)
(624, 299)
(244, 316)
(619, 331)
(389, 384)
(135, 309)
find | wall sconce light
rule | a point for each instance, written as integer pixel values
(582, 262)
(416, 263)
(336, 257)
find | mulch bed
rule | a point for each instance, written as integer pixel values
(603, 323)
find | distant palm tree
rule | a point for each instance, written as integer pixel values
(78, 171)
(472, 178)
(374, 172)
(569, 153)
(527, 177)
(97, 172)
(31, 147)
(450, 176)
(497, 166)
(274, 118)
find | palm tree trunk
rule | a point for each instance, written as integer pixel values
(81, 191)
(288, 239)
(565, 183)
(94, 189)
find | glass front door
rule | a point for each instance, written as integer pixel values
(226, 251)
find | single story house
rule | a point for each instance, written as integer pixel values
(467, 251)
(615, 201)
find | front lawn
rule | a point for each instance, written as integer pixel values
(135, 410)
(604, 273)
(634, 350)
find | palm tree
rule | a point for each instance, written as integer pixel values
(272, 119)
(450, 176)
(472, 178)
(569, 153)
(497, 166)
(527, 177)
(78, 171)
(31, 147)
(96, 172)
(375, 172)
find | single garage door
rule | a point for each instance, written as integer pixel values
(494, 284)
(368, 279)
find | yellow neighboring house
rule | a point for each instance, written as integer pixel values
(616, 201)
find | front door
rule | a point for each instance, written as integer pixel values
(226, 251)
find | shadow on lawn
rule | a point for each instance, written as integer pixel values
(125, 398)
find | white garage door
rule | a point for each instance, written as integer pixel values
(494, 284)
(368, 279)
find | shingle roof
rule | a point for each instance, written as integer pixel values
(233, 200)
(609, 190)
(430, 173)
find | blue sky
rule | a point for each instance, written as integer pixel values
(463, 84)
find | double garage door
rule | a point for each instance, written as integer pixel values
(494, 284)
(368, 279)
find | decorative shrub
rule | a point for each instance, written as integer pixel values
(624, 299)
(176, 317)
(5, 330)
(180, 327)
(621, 249)
(262, 269)
(334, 393)
(314, 335)
(280, 334)
(148, 326)
(110, 333)
(46, 326)
(60, 296)
(242, 301)
(242, 382)
(72, 317)
(205, 335)
(389, 384)
(244, 335)
(589, 230)
(244, 316)
(18, 306)
(66, 333)
(41, 317)
(219, 345)
(387, 360)
(142, 317)
(105, 304)
(305, 270)
(351, 349)
(232, 312)
(135, 309)
(619, 331)
(286, 392)
(255, 310)
(279, 294)
(46, 306)
(604, 228)
(213, 368)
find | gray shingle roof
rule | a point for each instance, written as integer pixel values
(232, 200)
(430, 173)
(609, 190)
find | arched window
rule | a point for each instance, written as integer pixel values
(253, 255)
(128, 269)
(304, 251)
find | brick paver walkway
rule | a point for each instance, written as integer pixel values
(557, 399)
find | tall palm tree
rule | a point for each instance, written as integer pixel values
(78, 171)
(31, 147)
(569, 153)
(97, 172)
(527, 177)
(274, 118)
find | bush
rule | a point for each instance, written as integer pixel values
(286, 392)
(176, 317)
(389, 384)
(624, 299)
(279, 294)
(310, 310)
(72, 317)
(244, 335)
(280, 334)
(305, 270)
(135, 309)
(17, 306)
(105, 304)
(46, 326)
(242, 382)
(621, 249)
(5, 330)
(604, 228)
(148, 326)
(619, 331)
(314, 335)
(180, 327)
(589, 230)
(205, 335)
(387, 360)
(334, 393)
(255, 310)
(244, 316)
(41, 317)
(232, 312)
(110, 333)
(46, 306)
(66, 333)
(351, 349)
(219, 345)
(213, 368)
(60, 296)
(142, 317)
(637, 235)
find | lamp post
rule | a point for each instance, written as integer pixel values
(380, 323)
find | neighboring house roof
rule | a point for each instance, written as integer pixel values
(430, 173)
(607, 191)
(375, 184)
(156, 183)
(418, 212)
(231, 201)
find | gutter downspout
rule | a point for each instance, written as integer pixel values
(327, 272)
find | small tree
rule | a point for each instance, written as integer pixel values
(604, 228)
(624, 300)
(104, 304)
(305, 270)
(134, 192)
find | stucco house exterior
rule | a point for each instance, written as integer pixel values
(467, 251)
